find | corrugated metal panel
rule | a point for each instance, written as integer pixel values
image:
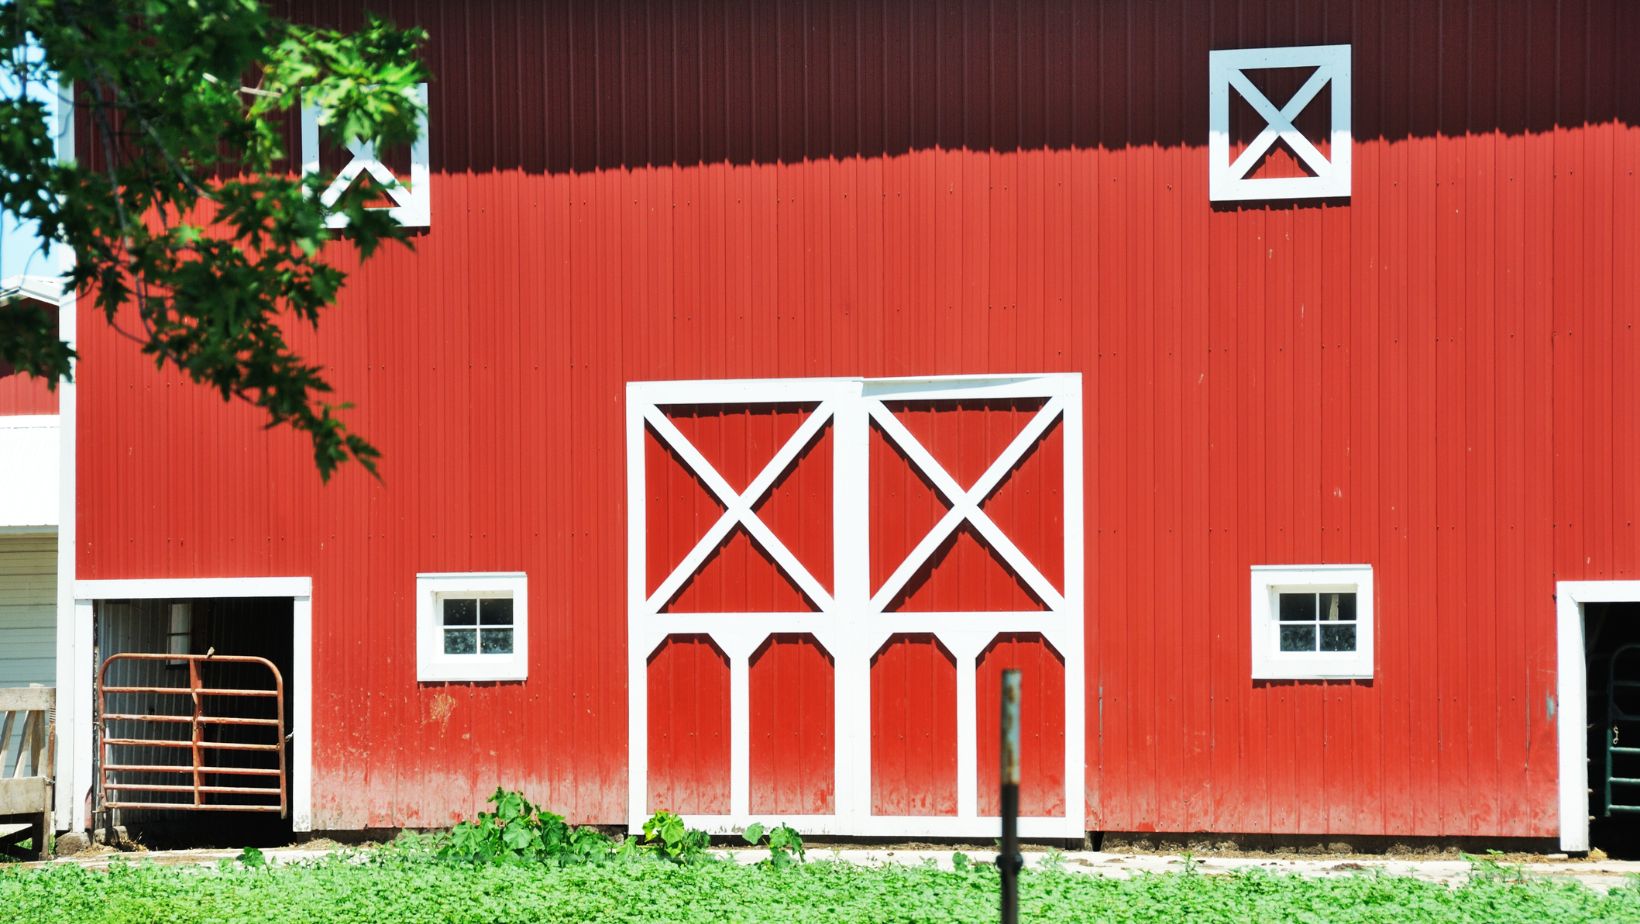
(913, 728)
(793, 728)
(689, 727)
(1042, 724)
(25, 394)
(1431, 377)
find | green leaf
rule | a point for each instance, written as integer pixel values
(510, 807)
(516, 836)
(197, 234)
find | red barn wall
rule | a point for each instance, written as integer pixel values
(1434, 377)
(24, 394)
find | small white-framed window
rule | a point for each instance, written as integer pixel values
(1312, 622)
(472, 627)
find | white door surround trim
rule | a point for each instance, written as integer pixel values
(75, 763)
(1571, 682)
(850, 622)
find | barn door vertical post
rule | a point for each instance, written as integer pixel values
(1009, 860)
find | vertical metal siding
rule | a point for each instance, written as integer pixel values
(913, 728)
(25, 394)
(1435, 377)
(689, 727)
(793, 729)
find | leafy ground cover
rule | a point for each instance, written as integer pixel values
(411, 884)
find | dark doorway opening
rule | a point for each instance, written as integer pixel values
(1612, 645)
(174, 629)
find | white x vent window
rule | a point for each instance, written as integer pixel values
(410, 196)
(1231, 76)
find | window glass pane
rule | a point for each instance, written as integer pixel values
(497, 641)
(495, 611)
(1338, 607)
(1338, 638)
(460, 641)
(458, 612)
(1298, 607)
(1298, 638)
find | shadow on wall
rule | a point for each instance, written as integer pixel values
(561, 87)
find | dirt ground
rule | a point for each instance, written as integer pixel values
(1594, 871)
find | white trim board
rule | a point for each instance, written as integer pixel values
(850, 622)
(163, 588)
(48, 289)
(1571, 692)
(889, 826)
(68, 325)
(29, 421)
(78, 759)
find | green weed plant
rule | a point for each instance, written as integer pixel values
(409, 884)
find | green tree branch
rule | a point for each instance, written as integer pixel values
(190, 216)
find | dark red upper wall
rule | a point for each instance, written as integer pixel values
(1432, 378)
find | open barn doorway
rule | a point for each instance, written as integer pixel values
(191, 725)
(1612, 645)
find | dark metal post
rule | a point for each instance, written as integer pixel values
(1009, 860)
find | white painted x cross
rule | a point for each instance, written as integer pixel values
(1230, 180)
(412, 200)
(1279, 124)
(365, 161)
(739, 507)
(965, 505)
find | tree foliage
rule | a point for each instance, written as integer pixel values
(190, 224)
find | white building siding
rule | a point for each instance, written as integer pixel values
(28, 600)
(29, 450)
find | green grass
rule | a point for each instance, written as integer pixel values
(409, 887)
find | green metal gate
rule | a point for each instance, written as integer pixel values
(1622, 737)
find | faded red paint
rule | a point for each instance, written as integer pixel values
(1432, 377)
(793, 747)
(689, 727)
(1041, 724)
(913, 728)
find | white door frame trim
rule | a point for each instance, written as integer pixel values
(75, 764)
(68, 415)
(1571, 682)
